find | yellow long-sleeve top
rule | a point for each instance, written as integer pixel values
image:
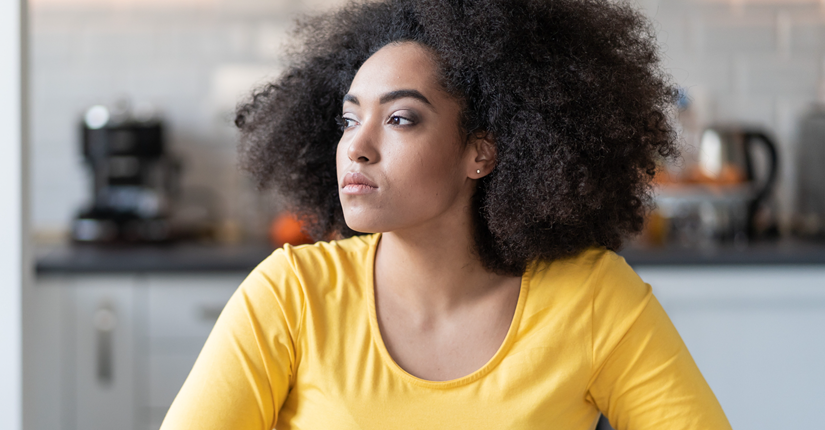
(298, 347)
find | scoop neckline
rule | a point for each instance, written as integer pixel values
(378, 338)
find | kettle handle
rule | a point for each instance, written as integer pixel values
(751, 136)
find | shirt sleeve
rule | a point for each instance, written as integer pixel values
(644, 377)
(245, 369)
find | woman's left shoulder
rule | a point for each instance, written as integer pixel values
(589, 265)
(597, 274)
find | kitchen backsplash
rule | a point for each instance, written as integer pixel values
(755, 61)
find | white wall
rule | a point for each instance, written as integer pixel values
(11, 212)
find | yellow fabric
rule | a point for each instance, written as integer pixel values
(298, 347)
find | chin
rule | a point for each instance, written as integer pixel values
(374, 221)
(363, 224)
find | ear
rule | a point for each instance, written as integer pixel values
(483, 150)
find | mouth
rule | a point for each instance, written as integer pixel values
(357, 183)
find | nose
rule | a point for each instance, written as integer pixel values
(362, 147)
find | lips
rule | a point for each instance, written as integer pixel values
(357, 183)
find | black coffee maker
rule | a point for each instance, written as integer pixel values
(134, 180)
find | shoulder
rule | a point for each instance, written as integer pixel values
(597, 269)
(598, 291)
(294, 271)
(294, 276)
(598, 280)
(317, 259)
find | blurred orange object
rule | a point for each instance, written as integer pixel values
(663, 176)
(287, 228)
(655, 232)
(728, 175)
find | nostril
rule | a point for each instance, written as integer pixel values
(361, 150)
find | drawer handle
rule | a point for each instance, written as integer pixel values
(105, 322)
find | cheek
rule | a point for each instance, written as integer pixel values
(340, 159)
(430, 174)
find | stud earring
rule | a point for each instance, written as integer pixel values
(478, 170)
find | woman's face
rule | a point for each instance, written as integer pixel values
(402, 161)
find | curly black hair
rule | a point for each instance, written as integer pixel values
(571, 92)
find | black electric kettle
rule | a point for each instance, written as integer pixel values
(732, 148)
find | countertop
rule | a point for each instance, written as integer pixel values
(191, 257)
(183, 257)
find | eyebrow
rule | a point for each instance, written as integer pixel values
(391, 96)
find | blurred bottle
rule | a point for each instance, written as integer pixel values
(810, 216)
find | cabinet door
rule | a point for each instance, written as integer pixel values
(756, 335)
(47, 361)
(104, 350)
(182, 310)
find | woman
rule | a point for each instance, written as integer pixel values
(478, 161)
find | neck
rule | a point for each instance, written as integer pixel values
(435, 268)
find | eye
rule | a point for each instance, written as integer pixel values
(345, 123)
(399, 120)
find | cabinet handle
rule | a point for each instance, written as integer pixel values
(105, 322)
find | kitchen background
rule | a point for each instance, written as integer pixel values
(757, 61)
(111, 334)
(190, 60)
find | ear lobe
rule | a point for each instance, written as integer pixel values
(485, 154)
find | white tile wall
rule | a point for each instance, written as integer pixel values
(753, 60)
(757, 61)
(166, 54)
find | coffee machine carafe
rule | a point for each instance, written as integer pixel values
(133, 180)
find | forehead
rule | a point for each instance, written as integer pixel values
(408, 65)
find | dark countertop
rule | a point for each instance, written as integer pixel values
(184, 257)
(786, 252)
(190, 258)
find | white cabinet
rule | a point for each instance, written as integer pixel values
(757, 334)
(47, 366)
(109, 352)
(181, 310)
(105, 352)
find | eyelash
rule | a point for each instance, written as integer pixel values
(410, 121)
(345, 123)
